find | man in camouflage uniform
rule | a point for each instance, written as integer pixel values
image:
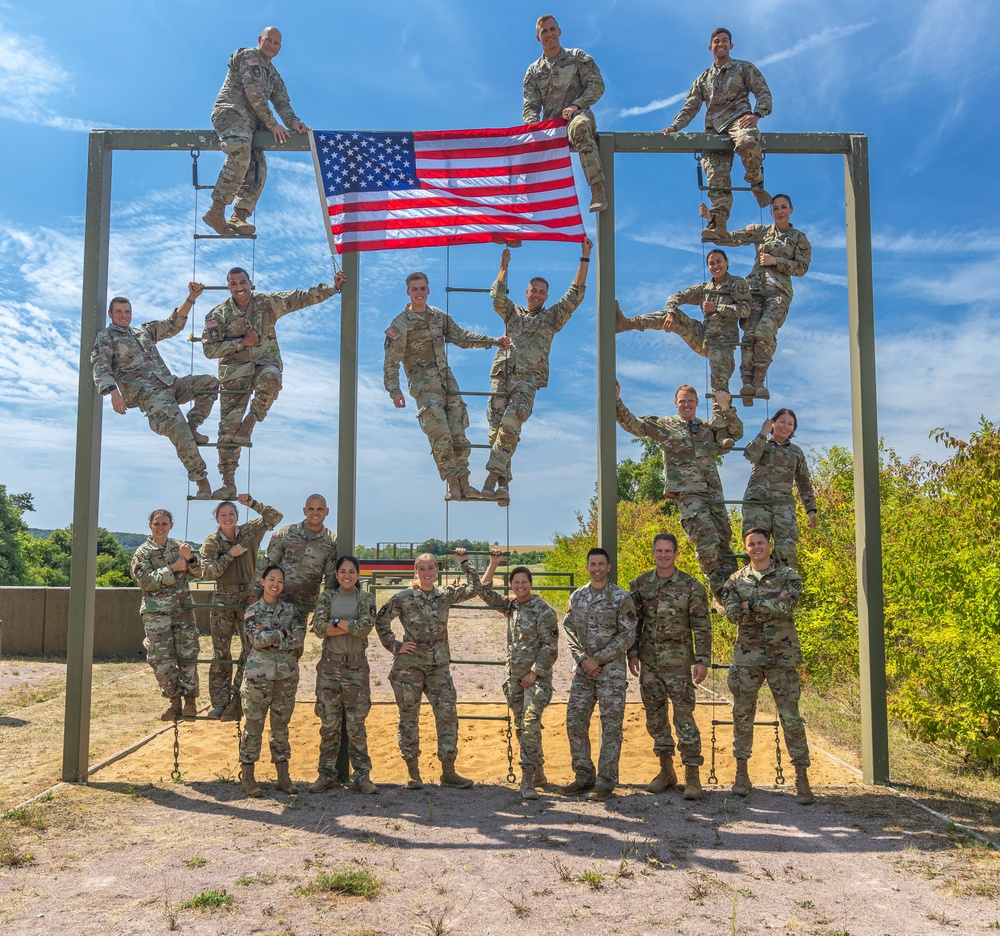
(671, 613)
(229, 558)
(759, 600)
(724, 301)
(252, 84)
(421, 663)
(275, 632)
(690, 448)
(128, 366)
(416, 338)
(517, 374)
(600, 628)
(725, 90)
(307, 553)
(566, 83)
(240, 333)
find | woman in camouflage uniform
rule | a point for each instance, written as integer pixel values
(344, 617)
(768, 502)
(161, 567)
(276, 633)
(532, 646)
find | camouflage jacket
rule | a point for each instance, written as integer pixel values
(227, 323)
(689, 458)
(550, 85)
(600, 624)
(417, 340)
(237, 573)
(127, 358)
(766, 634)
(359, 627)
(790, 248)
(163, 589)
(775, 468)
(307, 559)
(532, 635)
(531, 334)
(250, 87)
(725, 91)
(274, 632)
(424, 616)
(670, 612)
(732, 302)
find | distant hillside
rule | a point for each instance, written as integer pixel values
(127, 541)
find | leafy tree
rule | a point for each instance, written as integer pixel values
(14, 569)
(50, 559)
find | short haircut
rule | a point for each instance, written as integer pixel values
(270, 569)
(318, 497)
(416, 276)
(539, 279)
(160, 510)
(721, 29)
(544, 19)
(783, 411)
(119, 300)
(765, 533)
(788, 198)
(520, 570)
(236, 270)
(669, 537)
(215, 513)
(598, 551)
(684, 388)
(720, 252)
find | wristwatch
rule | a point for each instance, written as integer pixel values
(335, 622)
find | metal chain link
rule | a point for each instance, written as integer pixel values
(175, 774)
(511, 776)
(779, 777)
(712, 778)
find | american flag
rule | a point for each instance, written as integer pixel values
(385, 191)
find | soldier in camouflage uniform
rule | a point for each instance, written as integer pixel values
(782, 252)
(768, 502)
(344, 617)
(276, 632)
(691, 475)
(517, 374)
(229, 558)
(251, 86)
(566, 83)
(161, 568)
(307, 553)
(759, 600)
(725, 90)
(672, 634)
(421, 662)
(532, 647)
(724, 301)
(416, 339)
(600, 628)
(240, 333)
(128, 366)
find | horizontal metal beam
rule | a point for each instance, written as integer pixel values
(192, 139)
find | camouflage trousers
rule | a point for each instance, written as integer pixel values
(506, 413)
(718, 166)
(780, 521)
(265, 384)
(245, 169)
(528, 706)
(225, 624)
(343, 689)
(608, 692)
(582, 133)
(706, 522)
(657, 686)
(760, 333)
(171, 638)
(409, 682)
(161, 408)
(715, 341)
(745, 683)
(259, 697)
(444, 418)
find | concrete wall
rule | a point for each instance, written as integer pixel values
(36, 621)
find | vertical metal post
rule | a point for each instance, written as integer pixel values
(83, 572)
(868, 534)
(607, 427)
(347, 445)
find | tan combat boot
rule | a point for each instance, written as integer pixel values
(761, 194)
(248, 782)
(215, 218)
(174, 711)
(204, 490)
(527, 784)
(489, 489)
(451, 779)
(666, 778)
(321, 783)
(574, 789)
(365, 785)
(228, 489)
(413, 769)
(503, 493)
(190, 709)
(598, 200)
(742, 785)
(599, 794)
(242, 436)
(715, 230)
(540, 779)
(759, 375)
(199, 437)
(468, 491)
(284, 780)
(238, 222)
(804, 795)
(454, 490)
(622, 324)
(234, 710)
(692, 782)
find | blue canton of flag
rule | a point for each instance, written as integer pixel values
(366, 162)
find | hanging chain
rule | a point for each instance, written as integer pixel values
(175, 774)
(712, 778)
(511, 776)
(779, 777)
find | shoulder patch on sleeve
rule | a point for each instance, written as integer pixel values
(392, 331)
(742, 286)
(211, 324)
(252, 61)
(250, 613)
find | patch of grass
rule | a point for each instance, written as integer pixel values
(561, 869)
(196, 862)
(209, 900)
(355, 883)
(46, 797)
(11, 854)
(248, 880)
(25, 816)
(593, 879)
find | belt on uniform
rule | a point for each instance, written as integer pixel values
(344, 657)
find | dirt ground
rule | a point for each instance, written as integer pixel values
(125, 852)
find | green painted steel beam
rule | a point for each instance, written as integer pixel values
(347, 444)
(191, 139)
(656, 142)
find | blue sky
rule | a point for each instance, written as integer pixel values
(906, 74)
